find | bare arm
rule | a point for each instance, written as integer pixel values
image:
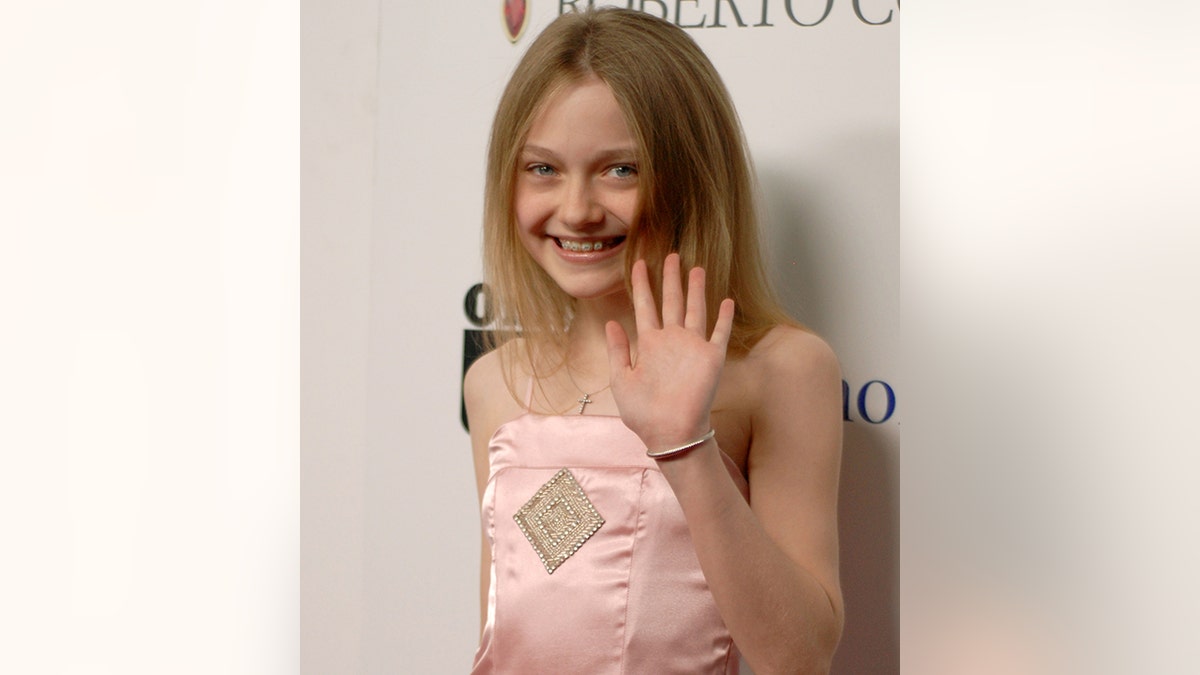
(488, 403)
(772, 565)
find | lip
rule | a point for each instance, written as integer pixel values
(588, 256)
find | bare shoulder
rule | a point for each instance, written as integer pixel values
(796, 450)
(489, 404)
(486, 393)
(482, 378)
(788, 357)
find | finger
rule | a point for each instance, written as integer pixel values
(724, 325)
(645, 311)
(672, 292)
(618, 349)
(697, 312)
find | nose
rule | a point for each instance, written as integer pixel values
(579, 209)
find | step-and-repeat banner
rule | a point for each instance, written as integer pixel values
(816, 83)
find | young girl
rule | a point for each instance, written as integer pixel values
(657, 451)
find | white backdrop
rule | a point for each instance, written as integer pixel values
(390, 514)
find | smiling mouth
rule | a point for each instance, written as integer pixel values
(581, 246)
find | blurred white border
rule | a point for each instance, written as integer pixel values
(1051, 293)
(149, 285)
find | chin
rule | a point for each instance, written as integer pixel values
(590, 292)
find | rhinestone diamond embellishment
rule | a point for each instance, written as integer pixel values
(558, 519)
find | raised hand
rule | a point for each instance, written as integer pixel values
(665, 398)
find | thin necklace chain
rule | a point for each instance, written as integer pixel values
(586, 398)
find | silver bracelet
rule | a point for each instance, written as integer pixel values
(682, 448)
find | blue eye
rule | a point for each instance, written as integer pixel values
(541, 169)
(624, 171)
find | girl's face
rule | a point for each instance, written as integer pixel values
(577, 190)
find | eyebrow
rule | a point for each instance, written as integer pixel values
(603, 155)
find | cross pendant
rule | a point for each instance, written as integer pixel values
(582, 403)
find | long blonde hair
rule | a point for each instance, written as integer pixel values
(696, 184)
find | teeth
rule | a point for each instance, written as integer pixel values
(582, 246)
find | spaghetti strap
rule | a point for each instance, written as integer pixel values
(529, 395)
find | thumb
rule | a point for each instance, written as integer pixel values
(618, 348)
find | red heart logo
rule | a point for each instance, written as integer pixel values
(514, 18)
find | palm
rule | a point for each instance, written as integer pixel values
(666, 396)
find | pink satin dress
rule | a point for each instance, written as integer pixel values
(625, 596)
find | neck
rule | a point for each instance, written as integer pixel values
(589, 349)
